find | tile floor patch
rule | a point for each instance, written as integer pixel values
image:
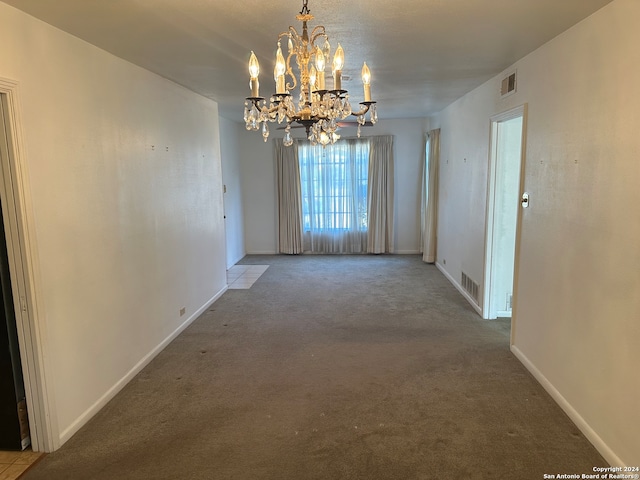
(243, 276)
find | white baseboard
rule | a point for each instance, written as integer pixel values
(464, 293)
(407, 252)
(575, 417)
(266, 252)
(68, 432)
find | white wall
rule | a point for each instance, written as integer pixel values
(259, 190)
(577, 303)
(464, 153)
(233, 211)
(126, 208)
(257, 171)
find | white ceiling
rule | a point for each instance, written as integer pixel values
(423, 54)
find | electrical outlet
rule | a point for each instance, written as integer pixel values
(182, 311)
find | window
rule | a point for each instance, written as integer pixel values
(333, 182)
(334, 186)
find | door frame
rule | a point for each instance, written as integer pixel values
(519, 111)
(23, 266)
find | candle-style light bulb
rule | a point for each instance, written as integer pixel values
(313, 75)
(279, 70)
(338, 59)
(254, 71)
(338, 63)
(320, 65)
(320, 62)
(254, 66)
(326, 48)
(366, 82)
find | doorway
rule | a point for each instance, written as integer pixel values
(14, 434)
(506, 156)
(42, 425)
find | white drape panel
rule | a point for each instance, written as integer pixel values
(430, 197)
(334, 196)
(289, 198)
(380, 195)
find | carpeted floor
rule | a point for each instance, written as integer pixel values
(331, 368)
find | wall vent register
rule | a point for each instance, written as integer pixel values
(471, 287)
(508, 85)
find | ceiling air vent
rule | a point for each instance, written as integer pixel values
(508, 85)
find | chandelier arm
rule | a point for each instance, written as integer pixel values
(269, 109)
(318, 31)
(291, 31)
(264, 109)
(289, 72)
(365, 108)
(293, 35)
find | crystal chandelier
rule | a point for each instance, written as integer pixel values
(318, 108)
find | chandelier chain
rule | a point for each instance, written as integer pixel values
(305, 9)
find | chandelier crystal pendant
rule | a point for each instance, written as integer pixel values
(318, 109)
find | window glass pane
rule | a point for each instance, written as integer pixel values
(334, 185)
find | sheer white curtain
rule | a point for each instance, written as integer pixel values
(430, 195)
(380, 201)
(289, 198)
(334, 185)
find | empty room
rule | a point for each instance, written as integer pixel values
(319, 240)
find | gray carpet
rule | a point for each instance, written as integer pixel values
(331, 367)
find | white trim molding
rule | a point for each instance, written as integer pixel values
(25, 277)
(137, 368)
(575, 417)
(468, 297)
